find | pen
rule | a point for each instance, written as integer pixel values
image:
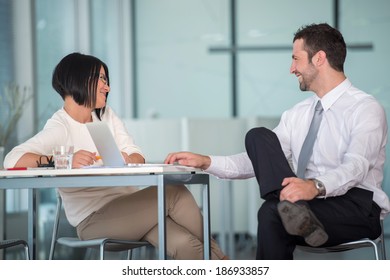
(17, 168)
(29, 168)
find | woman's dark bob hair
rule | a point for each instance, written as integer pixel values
(77, 75)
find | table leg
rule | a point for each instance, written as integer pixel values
(206, 221)
(32, 223)
(2, 218)
(161, 218)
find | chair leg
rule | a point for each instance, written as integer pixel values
(382, 243)
(55, 227)
(52, 248)
(26, 251)
(376, 252)
(102, 247)
(130, 254)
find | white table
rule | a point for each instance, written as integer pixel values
(139, 175)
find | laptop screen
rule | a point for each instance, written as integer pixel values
(105, 144)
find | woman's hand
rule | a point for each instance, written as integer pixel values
(83, 158)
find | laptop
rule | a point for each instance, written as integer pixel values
(112, 157)
(105, 144)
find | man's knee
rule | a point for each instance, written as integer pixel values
(257, 134)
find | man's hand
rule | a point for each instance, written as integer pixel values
(189, 159)
(298, 189)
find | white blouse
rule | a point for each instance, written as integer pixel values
(61, 129)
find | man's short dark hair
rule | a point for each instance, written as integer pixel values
(323, 37)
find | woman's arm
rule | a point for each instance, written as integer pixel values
(31, 160)
(133, 158)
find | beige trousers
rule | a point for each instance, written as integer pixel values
(134, 217)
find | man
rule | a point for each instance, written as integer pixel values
(321, 193)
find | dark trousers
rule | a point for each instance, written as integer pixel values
(345, 218)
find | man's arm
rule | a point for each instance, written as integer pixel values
(236, 166)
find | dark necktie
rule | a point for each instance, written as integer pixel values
(307, 147)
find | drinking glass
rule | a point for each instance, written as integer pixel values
(63, 156)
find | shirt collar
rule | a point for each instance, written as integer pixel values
(331, 97)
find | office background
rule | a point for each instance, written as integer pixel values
(174, 59)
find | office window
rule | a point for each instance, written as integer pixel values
(111, 42)
(6, 75)
(6, 49)
(266, 87)
(177, 75)
(368, 23)
(6, 54)
(55, 37)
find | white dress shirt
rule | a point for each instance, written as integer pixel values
(349, 150)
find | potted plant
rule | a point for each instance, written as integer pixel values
(12, 102)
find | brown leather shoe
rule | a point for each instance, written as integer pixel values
(300, 220)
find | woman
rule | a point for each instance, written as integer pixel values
(123, 213)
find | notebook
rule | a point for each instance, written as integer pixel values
(105, 144)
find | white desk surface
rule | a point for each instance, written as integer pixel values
(39, 178)
(133, 169)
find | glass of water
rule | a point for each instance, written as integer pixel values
(63, 156)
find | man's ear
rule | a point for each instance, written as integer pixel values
(319, 58)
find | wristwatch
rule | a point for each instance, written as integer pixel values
(320, 187)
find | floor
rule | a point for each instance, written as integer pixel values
(244, 249)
